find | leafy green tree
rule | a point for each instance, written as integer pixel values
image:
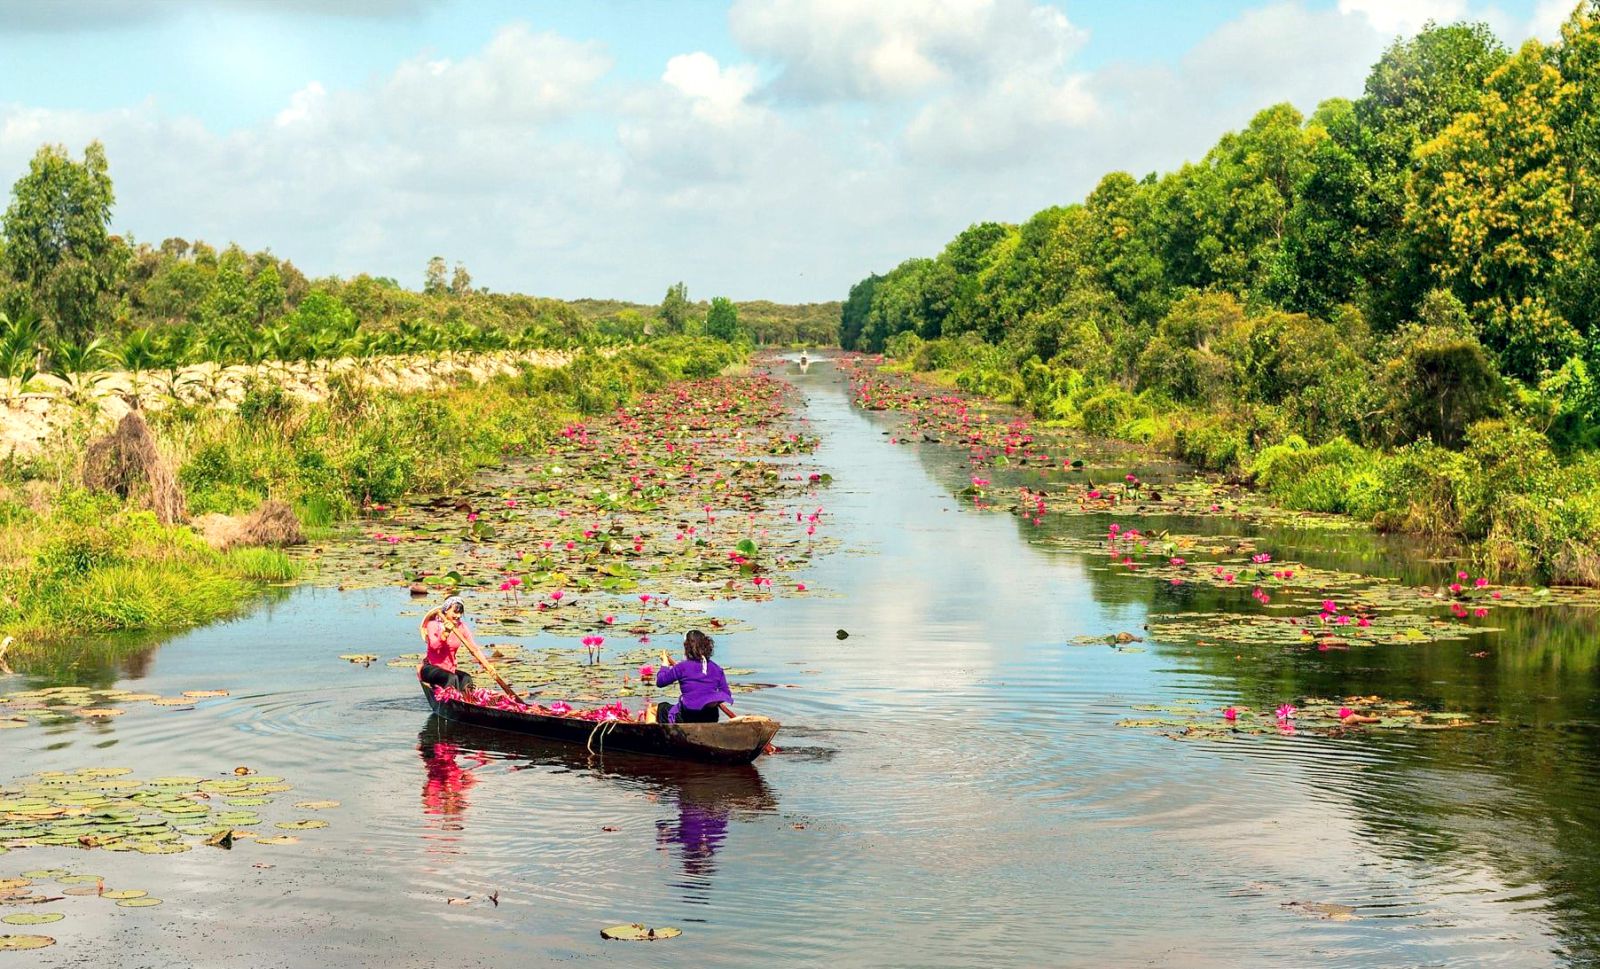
(1122, 254)
(1436, 384)
(267, 294)
(1318, 266)
(675, 309)
(722, 321)
(460, 281)
(1491, 208)
(228, 305)
(434, 280)
(854, 312)
(1416, 90)
(57, 240)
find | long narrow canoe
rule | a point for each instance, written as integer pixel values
(737, 741)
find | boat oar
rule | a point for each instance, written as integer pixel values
(454, 630)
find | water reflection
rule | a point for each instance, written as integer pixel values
(446, 783)
(701, 800)
(1507, 814)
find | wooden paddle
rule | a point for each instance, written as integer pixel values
(452, 629)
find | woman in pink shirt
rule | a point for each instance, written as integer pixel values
(443, 630)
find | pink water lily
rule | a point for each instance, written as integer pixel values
(1346, 713)
(1230, 714)
(1286, 712)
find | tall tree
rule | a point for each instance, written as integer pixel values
(1491, 207)
(58, 244)
(722, 322)
(434, 279)
(855, 311)
(674, 312)
(1417, 88)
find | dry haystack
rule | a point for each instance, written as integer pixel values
(127, 462)
(274, 523)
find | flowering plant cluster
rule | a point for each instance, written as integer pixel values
(499, 701)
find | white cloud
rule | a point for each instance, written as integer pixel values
(890, 49)
(1390, 17)
(844, 138)
(718, 93)
(520, 77)
(303, 104)
(1548, 17)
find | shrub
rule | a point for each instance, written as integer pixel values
(1419, 490)
(1338, 476)
(1108, 410)
(1437, 383)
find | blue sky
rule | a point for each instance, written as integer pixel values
(759, 148)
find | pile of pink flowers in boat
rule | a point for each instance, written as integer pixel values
(500, 701)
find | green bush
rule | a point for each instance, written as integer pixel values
(1338, 477)
(1109, 410)
(1211, 443)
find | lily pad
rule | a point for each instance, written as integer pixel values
(142, 902)
(32, 918)
(17, 943)
(306, 825)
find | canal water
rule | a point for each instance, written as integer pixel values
(953, 787)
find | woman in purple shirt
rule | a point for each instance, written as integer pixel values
(703, 685)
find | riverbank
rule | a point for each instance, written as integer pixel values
(74, 562)
(1513, 507)
(980, 705)
(33, 418)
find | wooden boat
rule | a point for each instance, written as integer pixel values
(737, 741)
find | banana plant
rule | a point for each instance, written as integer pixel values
(174, 352)
(138, 354)
(19, 352)
(78, 365)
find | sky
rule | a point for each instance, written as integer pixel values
(757, 149)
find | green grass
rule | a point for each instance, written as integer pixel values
(73, 563)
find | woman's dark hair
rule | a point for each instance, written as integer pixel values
(697, 645)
